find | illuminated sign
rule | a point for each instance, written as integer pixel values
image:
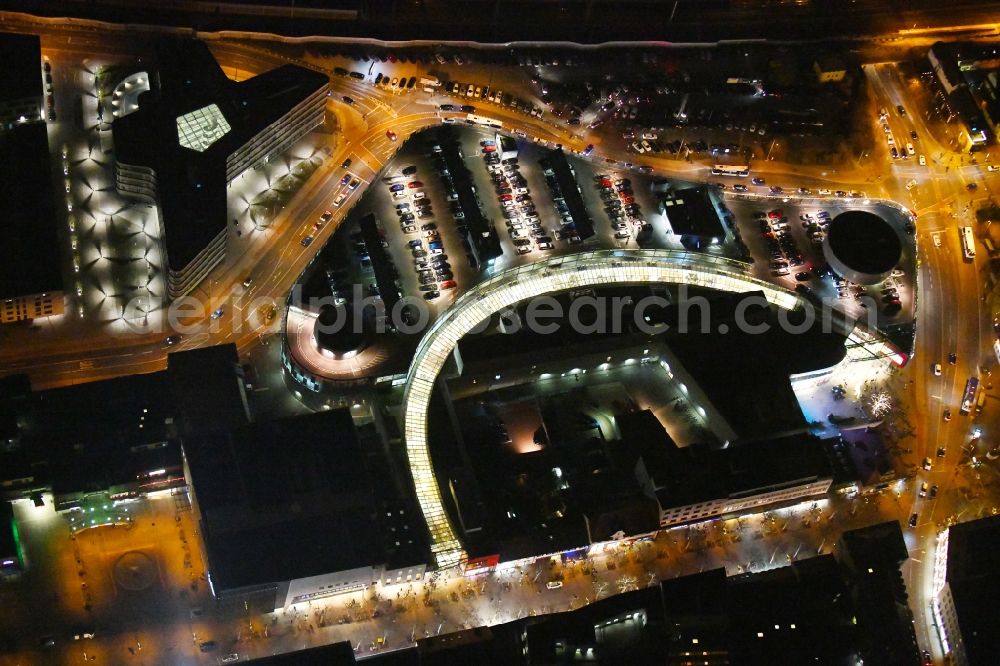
(481, 564)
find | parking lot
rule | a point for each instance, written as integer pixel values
(784, 237)
(422, 228)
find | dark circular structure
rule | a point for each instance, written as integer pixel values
(339, 333)
(862, 247)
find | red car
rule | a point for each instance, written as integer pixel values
(627, 199)
(391, 135)
(776, 214)
(415, 184)
(447, 284)
(506, 197)
(489, 149)
(605, 183)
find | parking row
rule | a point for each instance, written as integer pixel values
(620, 206)
(516, 205)
(416, 218)
(472, 92)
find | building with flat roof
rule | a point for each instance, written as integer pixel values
(570, 190)
(695, 483)
(506, 146)
(110, 438)
(208, 387)
(195, 131)
(692, 215)
(20, 80)
(287, 511)
(958, 73)
(483, 239)
(967, 576)
(31, 280)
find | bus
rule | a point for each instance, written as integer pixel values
(736, 171)
(968, 243)
(473, 119)
(969, 399)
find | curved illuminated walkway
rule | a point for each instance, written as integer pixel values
(590, 269)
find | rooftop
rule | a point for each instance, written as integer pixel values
(21, 74)
(864, 242)
(695, 474)
(570, 190)
(691, 212)
(973, 563)
(207, 386)
(263, 487)
(482, 234)
(98, 435)
(30, 251)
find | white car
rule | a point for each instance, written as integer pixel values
(521, 190)
(646, 146)
(637, 148)
(554, 584)
(825, 192)
(419, 195)
(937, 240)
(937, 369)
(649, 135)
(339, 200)
(923, 161)
(910, 150)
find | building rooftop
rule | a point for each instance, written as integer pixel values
(864, 242)
(691, 212)
(695, 474)
(100, 435)
(30, 252)
(207, 386)
(972, 576)
(571, 194)
(263, 488)
(481, 232)
(189, 122)
(21, 75)
(381, 262)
